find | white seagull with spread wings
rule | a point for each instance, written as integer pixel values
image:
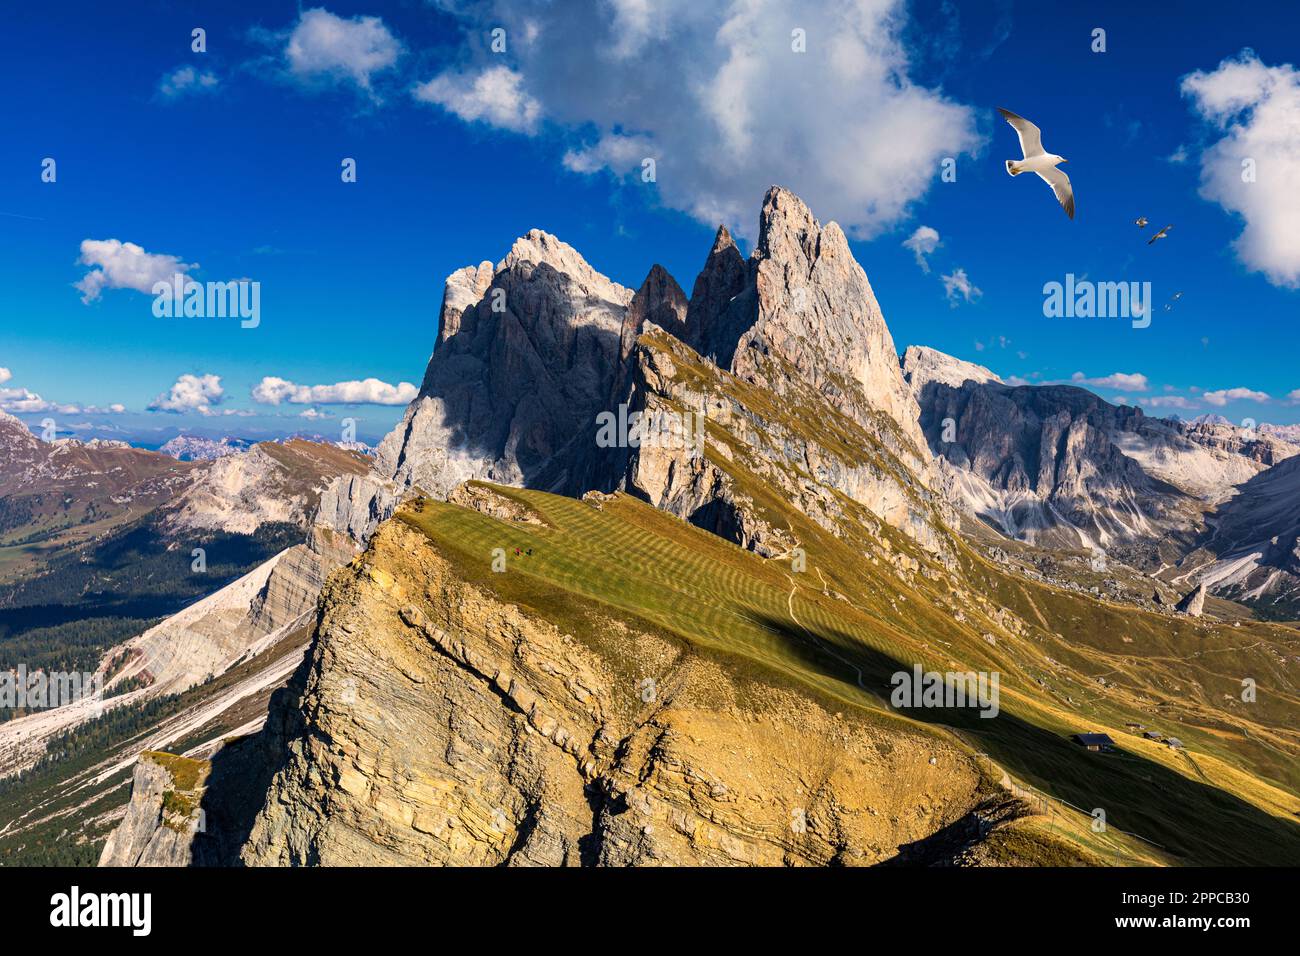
(1038, 161)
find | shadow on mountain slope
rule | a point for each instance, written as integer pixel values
(1198, 823)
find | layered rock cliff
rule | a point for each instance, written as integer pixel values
(440, 724)
(163, 817)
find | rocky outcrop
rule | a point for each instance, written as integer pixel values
(437, 724)
(294, 584)
(713, 328)
(922, 365)
(804, 449)
(815, 319)
(523, 363)
(659, 301)
(162, 818)
(1193, 603)
(271, 482)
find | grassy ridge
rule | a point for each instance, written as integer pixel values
(848, 622)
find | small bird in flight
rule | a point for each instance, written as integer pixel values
(1141, 222)
(1159, 235)
(1037, 161)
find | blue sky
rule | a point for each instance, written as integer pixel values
(230, 159)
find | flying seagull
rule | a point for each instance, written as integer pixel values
(1038, 161)
(1141, 222)
(1159, 235)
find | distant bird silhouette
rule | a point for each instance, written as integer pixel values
(1141, 222)
(1159, 235)
(1037, 161)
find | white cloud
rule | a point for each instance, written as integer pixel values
(371, 391)
(191, 393)
(1292, 396)
(1122, 381)
(124, 265)
(313, 413)
(186, 79)
(614, 150)
(1226, 395)
(1257, 109)
(958, 286)
(1168, 401)
(494, 95)
(325, 46)
(21, 400)
(922, 242)
(715, 94)
(1178, 157)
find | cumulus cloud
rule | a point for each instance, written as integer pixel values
(371, 391)
(1253, 169)
(922, 242)
(191, 393)
(185, 80)
(719, 97)
(124, 265)
(21, 400)
(326, 47)
(1292, 396)
(494, 95)
(1224, 396)
(958, 287)
(1121, 381)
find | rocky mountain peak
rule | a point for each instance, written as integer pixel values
(463, 289)
(659, 300)
(814, 312)
(720, 281)
(541, 249)
(787, 229)
(922, 365)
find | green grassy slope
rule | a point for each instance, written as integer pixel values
(846, 623)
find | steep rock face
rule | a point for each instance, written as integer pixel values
(1057, 465)
(252, 612)
(800, 312)
(295, 582)
(1042, 463)
(815, 317)
(162, 818)
(1252, 549)
(742, 440)
(712, 327)
(439, 725)
(516, 379)
(660, 300)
